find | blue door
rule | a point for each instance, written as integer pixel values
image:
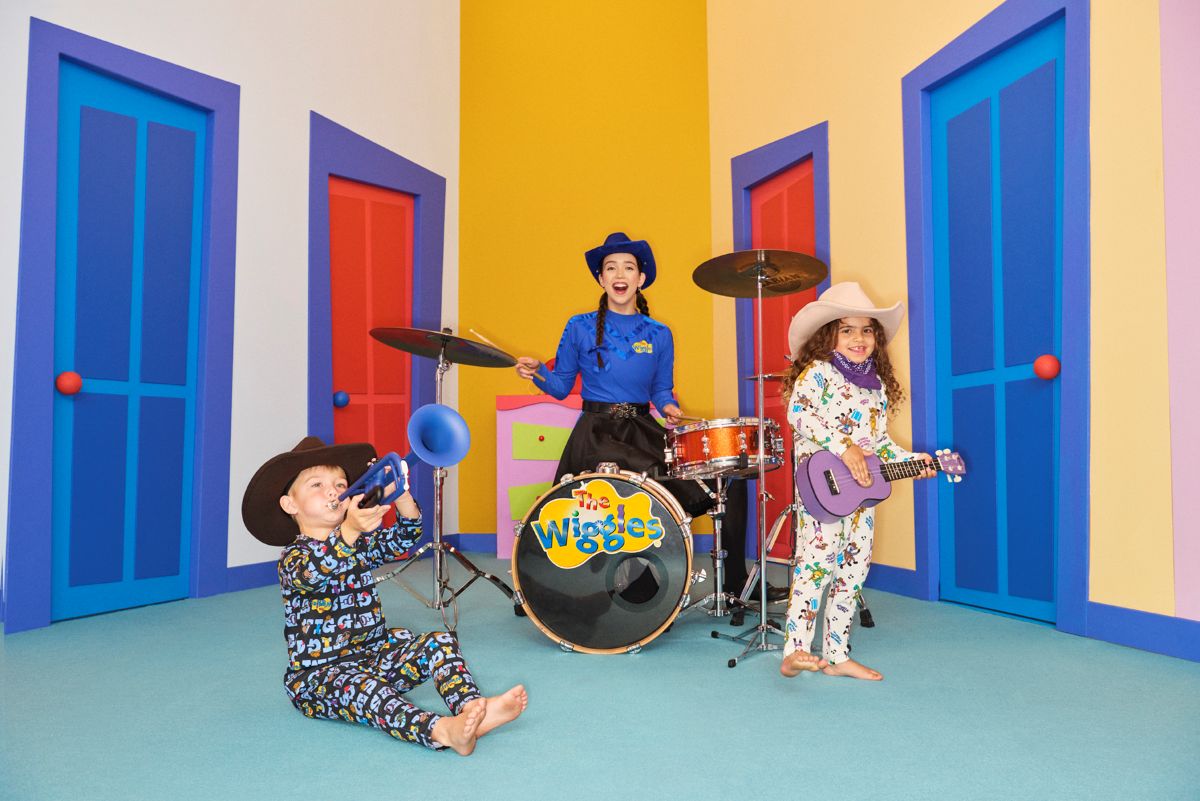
(131, 193)
(996, 170)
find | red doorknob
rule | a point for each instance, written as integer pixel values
(1046, 366)
(68, 382)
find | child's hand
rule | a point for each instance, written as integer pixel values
(928, 472)
(855, 459)
(407, 507)
(359, 521)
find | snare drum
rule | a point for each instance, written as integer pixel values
(727, 447)
(602, 561)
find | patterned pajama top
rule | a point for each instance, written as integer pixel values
(827, 412)
(331, 606)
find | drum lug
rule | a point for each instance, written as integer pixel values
(517, 526)
(603, 467)
(518, 598)
(567, 478)
(633, 649)
(704, 445)
(566, 646)
(639, 478)
(685, 602)
(742, 440)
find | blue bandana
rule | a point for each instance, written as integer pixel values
(860, 375)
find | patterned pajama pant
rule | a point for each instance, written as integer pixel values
(835, 556)
(369, 690)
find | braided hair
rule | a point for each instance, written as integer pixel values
(642, 306)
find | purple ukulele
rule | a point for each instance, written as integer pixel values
(829, 492)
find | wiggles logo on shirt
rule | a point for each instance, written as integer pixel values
(642, 346)
(595, 519)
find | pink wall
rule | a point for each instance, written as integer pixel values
(1179, 21)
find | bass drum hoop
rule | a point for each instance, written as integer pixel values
(681, 518)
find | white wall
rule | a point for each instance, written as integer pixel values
(386, 69)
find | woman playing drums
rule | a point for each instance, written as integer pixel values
(627, 360)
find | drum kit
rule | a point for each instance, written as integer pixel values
(602, 562)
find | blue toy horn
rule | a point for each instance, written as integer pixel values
(438, 435)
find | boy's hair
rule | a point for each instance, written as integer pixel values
(822, 343)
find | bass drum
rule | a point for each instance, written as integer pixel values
(602, 561)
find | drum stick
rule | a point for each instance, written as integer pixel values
(485, 339)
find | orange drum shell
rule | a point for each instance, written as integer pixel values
(724, 443)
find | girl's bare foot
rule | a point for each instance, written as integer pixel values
(854, 670)
(503, 709)
(797, 662)
(462, 730)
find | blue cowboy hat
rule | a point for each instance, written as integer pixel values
(619, 243)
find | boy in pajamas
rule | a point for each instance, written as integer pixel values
(343, 662)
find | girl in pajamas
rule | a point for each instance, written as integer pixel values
(841, 389)
(343, 661)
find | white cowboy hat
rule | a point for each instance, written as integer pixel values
(845, 299)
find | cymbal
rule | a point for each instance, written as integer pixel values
(736, 274)
(767, 377)
(421, 342)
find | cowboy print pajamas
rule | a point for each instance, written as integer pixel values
(827, 412)
(343, 661)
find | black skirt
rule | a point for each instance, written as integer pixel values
(634, 443)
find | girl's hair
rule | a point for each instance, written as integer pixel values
(602, 312)
(821, 344)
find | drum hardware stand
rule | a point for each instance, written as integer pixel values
(444, 595)
(721, 600)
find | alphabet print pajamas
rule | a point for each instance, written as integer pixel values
(343, 661)
(827, 412)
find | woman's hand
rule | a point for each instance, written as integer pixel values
(673, 414)
(527, 367)
(856, 459)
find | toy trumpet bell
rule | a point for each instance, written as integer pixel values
(438, 435)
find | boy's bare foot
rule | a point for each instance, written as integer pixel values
(462, 730)
(503, 709)
(797, 662)
(854, 670)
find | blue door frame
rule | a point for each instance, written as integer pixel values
(27, 589)
(1010, 22)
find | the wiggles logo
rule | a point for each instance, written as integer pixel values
(595, 519)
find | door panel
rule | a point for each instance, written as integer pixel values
(782, 218)
(371, 257)
(997, 229)
(127, 278)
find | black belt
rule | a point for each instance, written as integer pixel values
(618, 410)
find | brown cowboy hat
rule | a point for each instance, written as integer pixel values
(261, 511)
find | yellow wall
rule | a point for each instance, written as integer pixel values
(779, 66)
(578, 119)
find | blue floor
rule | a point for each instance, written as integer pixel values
(184, 701)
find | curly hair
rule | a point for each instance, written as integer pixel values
(822, 343)
(602, 313)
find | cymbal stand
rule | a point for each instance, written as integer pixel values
(756, 637)
(444, 595)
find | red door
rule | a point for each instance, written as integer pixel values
(782, 218)
(370, 264)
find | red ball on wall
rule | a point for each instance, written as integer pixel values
(68, 383)
(1046, 366)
